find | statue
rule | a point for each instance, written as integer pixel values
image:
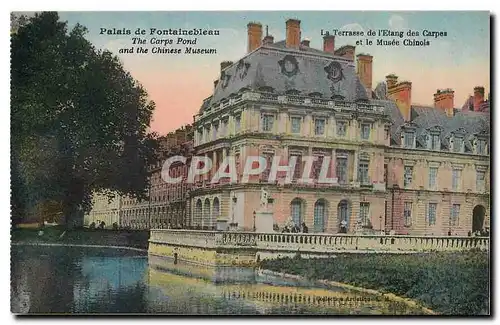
(264, 196)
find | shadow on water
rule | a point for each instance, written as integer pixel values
(78, 280)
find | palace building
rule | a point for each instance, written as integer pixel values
(166, 206)
(399, 167)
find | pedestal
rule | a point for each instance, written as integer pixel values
(264, 221)
(221, 225)
(233, 226)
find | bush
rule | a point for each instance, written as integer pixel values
(449, 283)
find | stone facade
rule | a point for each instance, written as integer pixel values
(167, 205)
(104, 210)
(365, 139)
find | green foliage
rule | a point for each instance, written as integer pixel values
(449, 283)
(79, 121)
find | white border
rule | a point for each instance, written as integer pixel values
(145, 5)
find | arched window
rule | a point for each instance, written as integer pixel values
(343, 216)
(216, 209)
(297, 211)
(207, 221)
(319, 216)
(198, 213)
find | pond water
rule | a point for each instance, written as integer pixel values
(91, 280)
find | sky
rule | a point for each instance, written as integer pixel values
(179, 83)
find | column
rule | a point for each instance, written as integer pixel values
(355, 167)
(205, 176)
(213, 170)
(243, 120)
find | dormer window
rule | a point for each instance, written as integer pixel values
(435, 143)
(458, 144)
(409, 139)
(481, 147)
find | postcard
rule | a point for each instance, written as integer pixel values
(250, 163)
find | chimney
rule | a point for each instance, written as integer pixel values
(292, 33)
(443, 99)
(391, 80)
(329, 44)
(478, 97)
(225, 64)
(364, 68)
(254, 36)
(346, 51)
(305, 42)
(268, 39)
(401, 94)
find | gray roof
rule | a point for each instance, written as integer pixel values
(427, 117)
(392, 110)
(285, 69)
(380, 91)
(282, 45)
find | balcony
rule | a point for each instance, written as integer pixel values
(336, 104)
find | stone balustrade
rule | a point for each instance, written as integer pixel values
(295, 99)
(326, 243)
(316, 243)
(191, 238)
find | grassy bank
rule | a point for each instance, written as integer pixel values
(137, 239)
(448, 283)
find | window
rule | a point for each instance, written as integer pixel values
(319, 216)
(431, 214)
(206, 135)
(435, 142)
(408, 206)
(296, 211)
(480, 184)
(458, 144)
(297, 173)
(341, 169)
(363, 172)
(200, 136)
(341, 128)
(224, 128)
(386, 134)
(216, 131)
(409, 139)
(454, 216)
(408, 176)
(296, 121)
(237, 124)
(319, 126)
(267, 122)
(455, 179)
(364, 214)
(432, 177)
(481, 147)
(365, 131)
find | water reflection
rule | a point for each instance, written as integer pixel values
(76, 280)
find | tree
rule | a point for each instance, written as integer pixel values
(79, 121)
